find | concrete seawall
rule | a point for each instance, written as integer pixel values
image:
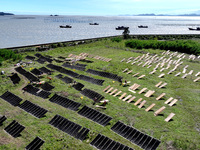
(74, 41)
(82, 41)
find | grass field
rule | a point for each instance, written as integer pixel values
(181, 133)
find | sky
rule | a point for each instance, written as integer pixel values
(99, 7)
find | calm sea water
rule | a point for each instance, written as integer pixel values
(28, 30)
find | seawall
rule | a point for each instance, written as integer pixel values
(143, 37)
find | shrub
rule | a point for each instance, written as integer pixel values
(184, 46)
(54, 45)
(6, 54)
(60, 44)
(116, 39)
(1, 61)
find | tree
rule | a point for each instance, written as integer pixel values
(126, 33)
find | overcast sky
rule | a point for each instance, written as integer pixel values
(99, 7)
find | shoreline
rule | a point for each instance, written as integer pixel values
(133, 36)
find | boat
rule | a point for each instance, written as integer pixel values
(197, 29)
(66, 26)
(141, 26)
(53, 15)
(121, 28)
(94, 23)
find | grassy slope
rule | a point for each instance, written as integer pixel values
(182, 130)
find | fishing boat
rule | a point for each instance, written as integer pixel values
(141, 26)
(121, 28)
(195, 29)
(94, 23)
(66, 26)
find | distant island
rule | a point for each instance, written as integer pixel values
(2, 14)
(152, 14)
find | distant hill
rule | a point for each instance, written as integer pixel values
(152, 14)
(190, 15)
(146, 14)
(2, 14)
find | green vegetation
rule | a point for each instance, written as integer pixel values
(126, 33)
(116, 39)
(182, 133)
(183, 46)
(167, 37)
(8, 55)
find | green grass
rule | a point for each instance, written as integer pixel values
(182, 131)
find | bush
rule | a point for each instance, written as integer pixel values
(116, 39)
(8, 54)
(60, 44)
(184, 46)
(1, 61)
(54, 45)
(65, 44)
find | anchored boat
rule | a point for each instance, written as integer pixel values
(121, 28)
(66, 26)
(141, 26)
(94, 23)
(196, 29)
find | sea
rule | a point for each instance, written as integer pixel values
(24, 30)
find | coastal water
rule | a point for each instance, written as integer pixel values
(29, 30)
